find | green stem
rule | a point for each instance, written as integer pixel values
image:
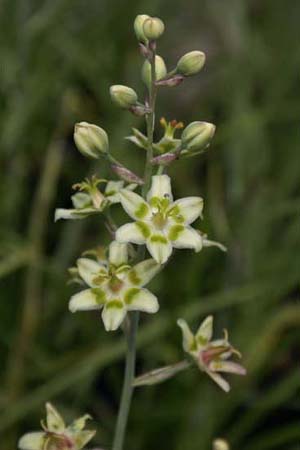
(127, 385)
(127, 390)
(150, 120)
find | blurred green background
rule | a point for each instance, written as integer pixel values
(58, 59)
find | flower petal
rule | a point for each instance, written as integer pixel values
(74, 214)
(79, 424)
(112, 191)
(87, 300)
(159, 248)
(32, 441)
(209, 243)
(217, 378)
(205, 331)
(140, 300)
(161, 187)
(188, 339)
(118, 253)
(143, 272)
(134, 205)
(55, 422)
(135, 232)
(81, 438)
(88, 270)
(185, 237)
(187, 209)
(227, 366)
(113, 314)
(81, 200)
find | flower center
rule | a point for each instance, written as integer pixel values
(159, 220)
(212, 353)
(60, 442)
(159, 212)
(115, 284)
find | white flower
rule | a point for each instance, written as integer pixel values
(115, 286)
(56, 434)
(92, 201)
(210, 356)
(160, 223)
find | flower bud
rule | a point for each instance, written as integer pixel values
(153, 28)
(191, 63)
(160, 70)
(138, 27)
(123, 96)
(220, 444)
(197, 135)
(126, 174)
(90, 139)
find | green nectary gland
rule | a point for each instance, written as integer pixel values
(130, 294)
(142, 211)
(158, 239)
(175, 232)
(133, 277)
(100, 295)
(114, 304)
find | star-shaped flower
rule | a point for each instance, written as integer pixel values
(210, 356)
(56, 435)
(160, 223)
(115, 286)
(90, 200)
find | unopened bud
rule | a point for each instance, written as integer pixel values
(220, 444)
(191, 63)
(160, 70)
(153, 28)
(165, 159)
(123, 96)
(90, 139)
(138, 27)
(140, 110)
(197, 135)
(174, 80)
(126, 174)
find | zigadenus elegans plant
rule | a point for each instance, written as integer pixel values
(115, 277)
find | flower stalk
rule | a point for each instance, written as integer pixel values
(129, 376)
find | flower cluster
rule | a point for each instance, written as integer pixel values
(56, 435)
(211, 356)
(115, 286)
(115, 280)
(161, 223)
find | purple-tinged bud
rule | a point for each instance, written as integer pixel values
(165, 159)
(174, 80)
(139, 110)
(126, 174)
(145, 51)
